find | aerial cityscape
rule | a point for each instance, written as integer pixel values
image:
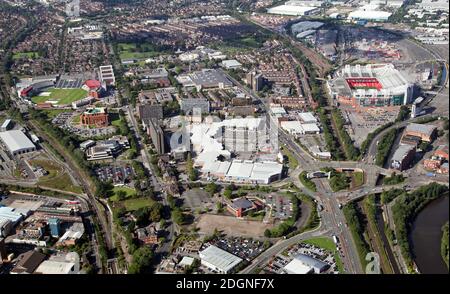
(224, 137)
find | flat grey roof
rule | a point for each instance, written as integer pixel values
(220, 258)
(16, 140)
(401, 152)
(419, 128)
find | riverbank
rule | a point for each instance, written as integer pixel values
(405, 210)
(444, 244)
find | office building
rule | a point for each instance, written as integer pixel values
(403, 157)
(95, 116)
(156, 133)
(55, 227)
(106, 74)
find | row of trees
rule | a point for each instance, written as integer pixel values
(332, 143)
(351, 152)
(384, 147)
(355, 223)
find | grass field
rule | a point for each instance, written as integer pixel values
(358, 179)
(132, 51)
(63, 96)
(130, 192)
(56, 178)
(25, 55)
(135, 204)
(327, 244)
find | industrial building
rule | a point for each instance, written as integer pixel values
(424, 132)
(53, 267)
(219, 260)
(293, 8)
(72, 235)
(243, 171)
(206, 79)
(6, 125)
(304, 264)
(370, 85)
(16, 142)
(28, 262)
(403, 157)
(296, 128)
(369, 15)
(231, 64)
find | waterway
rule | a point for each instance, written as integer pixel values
(426, 237)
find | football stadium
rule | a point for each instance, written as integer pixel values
(370, 85)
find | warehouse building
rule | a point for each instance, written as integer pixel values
(16, 142)
(304, 264)
(403, 157)
(424, 132)
(243, 171)
(219, 260)
(297, 128)
(369, 15)
(370, 85)
(293, 8)
(210, 78)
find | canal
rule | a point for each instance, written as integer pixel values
(426, 237)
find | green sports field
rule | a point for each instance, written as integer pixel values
(63, 96)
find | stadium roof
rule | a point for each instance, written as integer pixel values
(219, 258)
(16, 140)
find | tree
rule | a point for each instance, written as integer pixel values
(142, 260)
(212, 188)
(121, 195)
(178, 216)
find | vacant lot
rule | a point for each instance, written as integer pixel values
(231, 226)
(63, 96)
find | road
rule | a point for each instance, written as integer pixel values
(157, 184)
